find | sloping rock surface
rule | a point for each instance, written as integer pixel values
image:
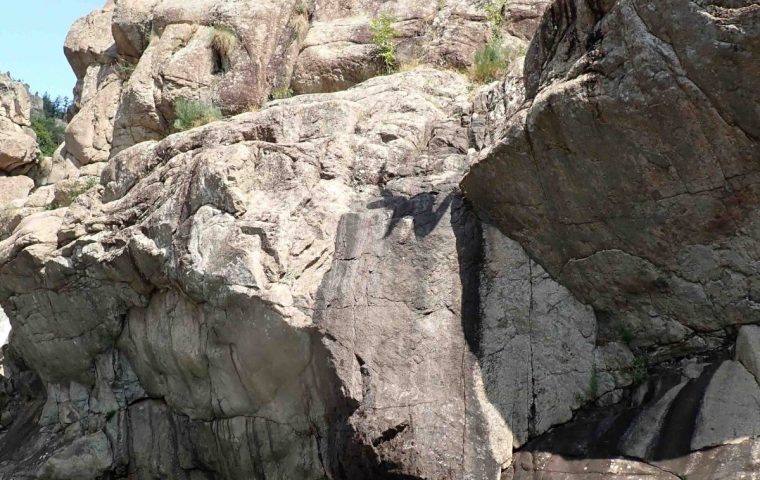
(630, 174)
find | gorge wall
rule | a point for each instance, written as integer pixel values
(388, 276)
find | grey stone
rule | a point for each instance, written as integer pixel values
(656, 231)
(729, 410)
(748, 349)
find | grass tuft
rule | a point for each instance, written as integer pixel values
(193, 114)
(640, 369)
(493, 60)
(281, 93)
(224, 41)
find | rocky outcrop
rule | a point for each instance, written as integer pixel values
(630, 172)
(238, 54)
(281, 220)
(302, 291)
(91, 51)
(230, 321)
(18, 143)
(523, 16)
(700, 424)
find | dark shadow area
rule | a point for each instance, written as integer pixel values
(424, 209)
(598, 434)
(469, 235)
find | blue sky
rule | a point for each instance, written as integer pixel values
(31, 41)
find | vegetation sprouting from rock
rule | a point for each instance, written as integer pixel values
(194, 113)
(383, 34)
(495, 16)
(280, 93)
(640, 369)
(82, 186)
(493, 59)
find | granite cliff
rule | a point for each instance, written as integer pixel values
(358, 274)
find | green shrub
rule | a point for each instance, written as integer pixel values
(125, 69)
(625, 334)
(492, 61)
(640, 369)
(495, 16)
(383, 34)
(300, 7)
(192, 114)
(50, 133)
(81, 187)
(281, 92)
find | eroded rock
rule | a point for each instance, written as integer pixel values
(18, 143)
(630, 172)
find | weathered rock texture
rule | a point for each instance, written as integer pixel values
(185, 302)
(630, 173)
(135, 59)
(302, 291)
(18, 143)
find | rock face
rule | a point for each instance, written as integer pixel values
(239, 287)
(338, 51)
(630, 171)
(135, 59)
(18, 143)
(302, 290)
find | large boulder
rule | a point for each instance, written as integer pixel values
(630, 172)
(13, 189)
(18, 143)
(90, 41)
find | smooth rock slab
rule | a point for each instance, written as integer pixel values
(730, 408)
(748, 349)
(14, 188)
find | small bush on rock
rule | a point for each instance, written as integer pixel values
(495, 16)
(280, 93)
(494, 58)
(192, 114)
(79, 188)
(124, 68)
(383, 34)
(640, 369)
(492, 61)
